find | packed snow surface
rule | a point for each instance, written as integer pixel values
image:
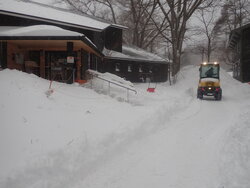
(84, 136)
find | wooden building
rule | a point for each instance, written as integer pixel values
(48, 51)
(239, 42)
(99, 36)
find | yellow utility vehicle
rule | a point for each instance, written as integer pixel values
(209, 83)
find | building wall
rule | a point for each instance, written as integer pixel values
(41, 58)
(137, 71)
(12, 52)
(113, 39)
(241, 56)
(3, 54)
(245, 55)
(237, 61)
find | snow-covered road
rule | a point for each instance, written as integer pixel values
(164, 139)
(188, 150)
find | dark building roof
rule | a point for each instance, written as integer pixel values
(41, 12)
(134, 54)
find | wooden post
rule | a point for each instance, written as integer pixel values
(42, 64)
(78, 66)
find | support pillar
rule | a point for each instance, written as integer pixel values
(42, 64)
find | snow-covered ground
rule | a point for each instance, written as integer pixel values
(80, 137)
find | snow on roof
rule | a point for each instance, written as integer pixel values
(134, 54)
(36, 30)
(40, 12)
(135, 51)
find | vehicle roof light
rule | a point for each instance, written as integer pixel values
(215, 63)
(204, 63)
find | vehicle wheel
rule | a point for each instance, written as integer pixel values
(199, 95)
(218, 96)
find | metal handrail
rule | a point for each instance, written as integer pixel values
(95, 75)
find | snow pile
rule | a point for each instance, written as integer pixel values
(115, 54)
(33, 124)
(79, 138)
(112, 85)
(112, 78)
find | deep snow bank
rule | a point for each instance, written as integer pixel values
(80, 138)
(33, 125)
(236, 153)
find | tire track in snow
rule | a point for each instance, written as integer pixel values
(193, 164)
(64, 168)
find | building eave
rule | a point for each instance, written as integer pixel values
(70, 38)
(49, 20)
(137, 60)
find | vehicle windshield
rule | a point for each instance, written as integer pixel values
(209, 71)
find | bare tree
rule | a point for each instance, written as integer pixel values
(177, 14)
(138, 17)
(94, 7)
(110, 4)
(135, 14)
(238, 12)
(199, 49)
(207, 20)
(234, 14)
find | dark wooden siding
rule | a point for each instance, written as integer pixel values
(98, 40)
(245, 55)
(240, 44)
(3, 54)
(113, 39)
(156, 72)
(84, 63)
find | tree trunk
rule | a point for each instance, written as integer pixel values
(208, 49)
(176, 58)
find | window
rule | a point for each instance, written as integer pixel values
(117, 67)
(140, 68)
(19, 58)
(150, 69)
(209, 71)
(129, 68)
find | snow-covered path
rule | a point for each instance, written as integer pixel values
(168, 139)
(187, 152)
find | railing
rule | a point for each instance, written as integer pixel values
(111, 82)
